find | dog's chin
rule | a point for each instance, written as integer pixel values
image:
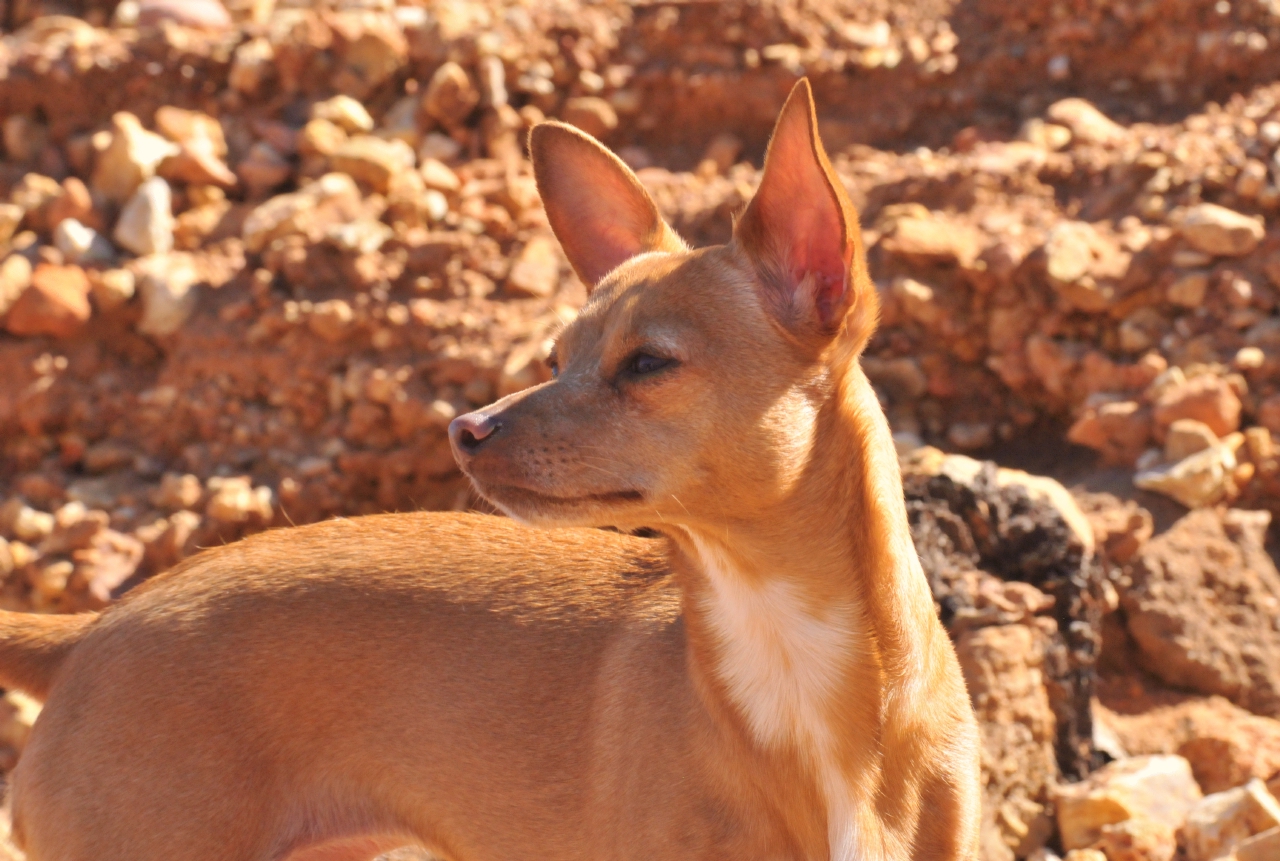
(552, 510)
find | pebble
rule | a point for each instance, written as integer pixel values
(1219, 231)
(1207, 398)
(11, 216)
(1087, 123)
(81, 244)
(250, 66)
(344, 112)
(1197, 481)
(1156, 788)
(536, 272)
(372, 160)
(263, 169)
(450, 96)
(166, 284)
(113, 288)
(15, 276)
(236, 500)
(55, 303)
(1221, 821)
(146, 222)
(130, 158)
(592, 114)
(1188, 290)
(299, 211)
(1186, 437)
(197, 14)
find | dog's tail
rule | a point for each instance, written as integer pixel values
(33, 647)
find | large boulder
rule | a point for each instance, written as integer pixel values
(1201, 604)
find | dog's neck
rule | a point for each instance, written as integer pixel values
(804, 624)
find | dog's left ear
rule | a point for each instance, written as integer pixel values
(801, 234)
(597, 207)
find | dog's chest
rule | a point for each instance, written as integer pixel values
(784, 663)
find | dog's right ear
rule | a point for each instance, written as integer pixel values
(597, 207)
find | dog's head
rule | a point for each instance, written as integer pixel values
(688, 389)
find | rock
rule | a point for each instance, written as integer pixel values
(536, 272)
(344, 112)
(1081, 263)
(363, 236)
(1189, 290)
(1158, 789)
(372, 46)
(333, 320)
(146, 222)
(113, 288)
(1208, 399)
(130, 159)
(331, 199)
(11, 216)
(33, 194)
(1201, 604)
(263, 169)
(1226, 745)
(592, 114)
(197, 14)
(1119, 430)
(23, 137)
(191, 128)
(437, 175)
(74, 202)
(1196, 481)
(15, 277)
(1186, 437)
(1003, 668)
(721, 154)
(917, 301)
(1085, 855)
(934, 238)
(166, 284)
(1219, 231)
(372, 160)
(236, 500)
(197, 165)
(56, 303)
(250, 65)
(1137, 840)
(450, 96)
(1087, 123)
(1220, 821)
(80, 244)
(18, 713)
(320, 138)
(1261, 847)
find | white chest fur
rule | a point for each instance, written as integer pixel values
(784, 662)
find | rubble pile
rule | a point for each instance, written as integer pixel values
(256, 254)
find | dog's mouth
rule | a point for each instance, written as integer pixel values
(506, 493)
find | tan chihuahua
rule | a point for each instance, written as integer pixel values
(767, 681)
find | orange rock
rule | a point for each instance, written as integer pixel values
(1206, 398)
(56, 303)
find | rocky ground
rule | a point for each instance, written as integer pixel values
(255, 255)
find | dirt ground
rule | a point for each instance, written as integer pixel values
(255, 255)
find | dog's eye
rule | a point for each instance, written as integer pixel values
(646, 363)
(553, 364)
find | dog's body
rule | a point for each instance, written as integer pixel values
(766, 681)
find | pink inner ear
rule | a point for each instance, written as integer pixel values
(800, 217)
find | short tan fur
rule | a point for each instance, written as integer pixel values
(766, 680)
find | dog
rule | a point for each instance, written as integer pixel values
(766, 679)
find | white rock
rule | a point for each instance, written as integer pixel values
(146, 222)
(1196, 481)
(1087, 123)
(80, 243)
(130, 158)
(1223, 232)
(166, 284)
(1221, 821)
(345, 112)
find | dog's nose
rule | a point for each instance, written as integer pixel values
(468, 432)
